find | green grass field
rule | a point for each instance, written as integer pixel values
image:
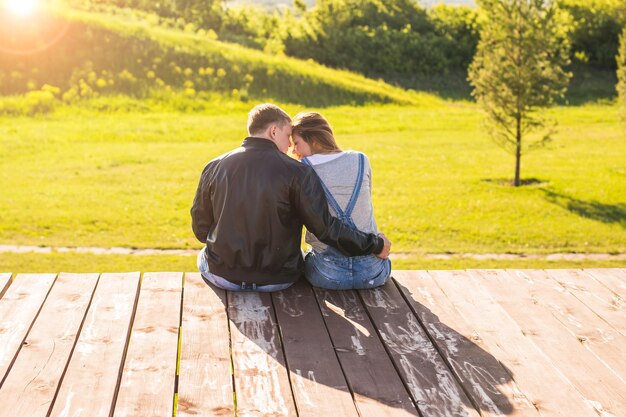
(126, 176)
(116, 171)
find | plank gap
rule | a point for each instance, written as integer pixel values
(258, 359)
(590, 297)
(599, 338)
(178, 349)
(345, 376)
(580, 363)
(503, 337)
(610, 279)
(442, 354)
(69, 358)
(282, 348)
(319, 385)
(150, 367)
(32, 323)
(5, 282)
(393, 362)
(205, 381)
(378, 388)
(126, 346)
(31, 386)
(230, 349)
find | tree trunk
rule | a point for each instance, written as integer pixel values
(518, 151)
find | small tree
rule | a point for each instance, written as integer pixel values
(621, 73)
(518, 71)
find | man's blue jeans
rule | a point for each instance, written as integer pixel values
(224, 284)
(346, 273)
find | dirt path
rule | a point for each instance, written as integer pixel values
(394, 255)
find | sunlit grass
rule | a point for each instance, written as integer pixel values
(87, 177)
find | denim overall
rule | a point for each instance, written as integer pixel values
(333, 270)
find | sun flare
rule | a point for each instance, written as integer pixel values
(21, 7)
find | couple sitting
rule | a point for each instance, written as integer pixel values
(252, 202)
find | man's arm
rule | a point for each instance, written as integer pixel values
(310, 203)
(387, 248)
(202, 210)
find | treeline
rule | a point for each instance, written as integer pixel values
(396, 40)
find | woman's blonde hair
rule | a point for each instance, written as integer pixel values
(315, 131)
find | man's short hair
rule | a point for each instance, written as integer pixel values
(263, 115)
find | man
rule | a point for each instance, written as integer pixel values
(250, 207)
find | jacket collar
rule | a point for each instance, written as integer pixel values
(252, 142)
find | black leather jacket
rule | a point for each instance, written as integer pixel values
(249, 209)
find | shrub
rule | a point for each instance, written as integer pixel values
(39, 101)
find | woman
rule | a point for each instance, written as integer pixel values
(347, 182)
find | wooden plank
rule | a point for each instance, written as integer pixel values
(30, 387)
(370, 373)
(18, 309)
(319, 386)
(592, 379)
(205, 381)
(430, 382)
(261, 380)
(612, 278)
(602, 340)
(594, 295)
(92, 378)
(485, 379)
(148, 378)
(549, 390)
(5, 281)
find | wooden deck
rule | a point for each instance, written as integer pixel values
(429, 343)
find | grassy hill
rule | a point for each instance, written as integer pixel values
(135, 54)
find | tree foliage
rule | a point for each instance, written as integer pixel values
(392, 39)
(254, 27)
(621, 72)
(396, 40)
(595, 26)
(460, 27)
(518, 71)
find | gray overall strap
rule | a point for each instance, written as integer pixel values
(357, 187)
